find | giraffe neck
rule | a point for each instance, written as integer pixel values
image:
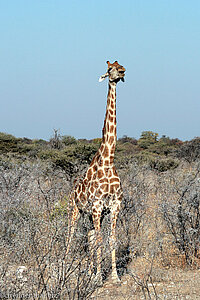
(109, 136)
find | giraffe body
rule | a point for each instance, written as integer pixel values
(100, 187)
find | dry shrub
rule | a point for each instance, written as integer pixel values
(158, 222)
(33, 237)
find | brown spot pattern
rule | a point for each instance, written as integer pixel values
(111, 112)
(111, 119)
(99, 193)
(114, 180)
(107, 162)
(110, 173)
(95, 168)
(102, 180)
(101, 148)
(94, 210)
(112, 151)
(106, 151)
(96, 184)
(89, 174)
(101, 162)
(113, 188)
(111, 129)
(105, 187)
(82, 198)
(100, 173)
(111, 139)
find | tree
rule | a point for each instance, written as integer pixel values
(147, 138)
(55, 141)
(68, 140)
(127, 139)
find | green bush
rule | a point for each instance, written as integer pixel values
(127, 139)
(97, 141)
(145, 157)
(60, 209)
(147, 138)
(163, 165)
(6, 137)
(68, 140)
(156, 162)
(190, 151)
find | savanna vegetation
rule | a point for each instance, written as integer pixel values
(158, 229)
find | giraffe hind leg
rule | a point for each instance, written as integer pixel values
(95, 241)
(91, 244)
(114, 215)
(71, 227)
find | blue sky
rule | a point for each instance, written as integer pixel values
(53, 52)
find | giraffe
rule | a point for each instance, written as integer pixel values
(100, 186)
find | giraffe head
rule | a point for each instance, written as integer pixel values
(115, 72)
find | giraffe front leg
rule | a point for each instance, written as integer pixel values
(98, 242)
(114, 214)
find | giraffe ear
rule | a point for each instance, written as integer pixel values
(101, 78)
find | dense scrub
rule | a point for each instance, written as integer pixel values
(69, 154)
(159, 223)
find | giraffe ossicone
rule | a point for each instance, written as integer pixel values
(100, 186)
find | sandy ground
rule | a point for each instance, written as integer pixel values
(166, 284)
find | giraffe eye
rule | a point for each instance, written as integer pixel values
(109, 69)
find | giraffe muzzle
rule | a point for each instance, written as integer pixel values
(101, 78)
